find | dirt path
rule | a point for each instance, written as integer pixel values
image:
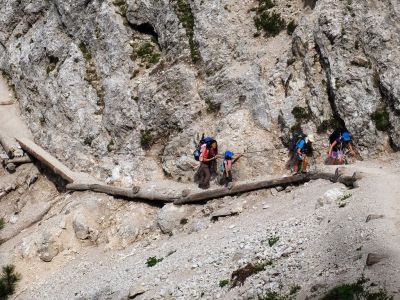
(11, 123)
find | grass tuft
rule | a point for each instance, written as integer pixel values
(273, 240)
(146, 139)
(152, 261)
(223, 283)
(355, 291)
(381, 119)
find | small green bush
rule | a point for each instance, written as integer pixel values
(146, 53)
(223, 283)
(355, 291)
(88, 141)
(272, 295)
(8, 281)
(271, 22)
(85, 52)
(2, 223)
(301, 113)
(273, 240)
(152, 261)
(146, 139)
(183, 221)
(294, 289)
(381, 119)
(185, 16)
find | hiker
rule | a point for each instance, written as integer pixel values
(208, 154)
(340, 141)
(303, 149)
(226, 167)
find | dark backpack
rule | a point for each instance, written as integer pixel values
(335, 135)
(204, 140)
(295, 140)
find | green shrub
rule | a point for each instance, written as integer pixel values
(85, 52)
(294, 289)
(271, 22)
(272, 295)
(2, 223)
(185, 16)
(355, 291)
(88, 141)
(152, 261)
(146, 139)
(381, 119)
(146, 52)
(183, 221)
(223, 283)
(273, 240)
(8, 281)
(300, 113)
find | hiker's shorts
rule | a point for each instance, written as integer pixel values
(337, 154)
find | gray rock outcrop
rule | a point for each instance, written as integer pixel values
(103, 83)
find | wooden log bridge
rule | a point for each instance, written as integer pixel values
(77, 181)
(129, 193)
(253, 186)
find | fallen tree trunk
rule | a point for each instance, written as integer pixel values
(130, 193)
(252, 186)
(10, 146)
(18, 160)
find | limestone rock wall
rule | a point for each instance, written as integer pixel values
(122, 89)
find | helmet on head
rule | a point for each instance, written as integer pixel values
(228, 155)
(346, 136)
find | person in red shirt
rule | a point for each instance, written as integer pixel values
(207, 158)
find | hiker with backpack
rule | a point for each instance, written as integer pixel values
(226, 167)
(208, 155)
(303, 149)
(339, 142)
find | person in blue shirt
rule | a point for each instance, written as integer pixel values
(303, 148)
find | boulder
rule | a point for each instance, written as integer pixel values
(84, 226)
(170, 217)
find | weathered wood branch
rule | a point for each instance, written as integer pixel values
(44, 157)
(10, 146)
(130, 193)
(252, 186)
(18, 160)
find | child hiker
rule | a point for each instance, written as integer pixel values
(226, 167)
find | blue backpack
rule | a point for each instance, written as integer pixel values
(295, 140)
(204, 140)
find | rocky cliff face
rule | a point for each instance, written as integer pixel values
(122, 88)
